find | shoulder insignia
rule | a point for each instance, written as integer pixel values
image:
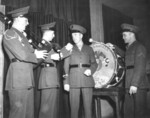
(141, 55)
(10, 34)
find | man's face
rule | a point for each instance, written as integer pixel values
(50, 35)
(127, 37)
(77, 37)
(22, 22)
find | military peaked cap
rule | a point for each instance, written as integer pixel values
(129, 28)
(19, 12)
(49, 26)
(77, 28)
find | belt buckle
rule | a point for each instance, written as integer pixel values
(80, 65)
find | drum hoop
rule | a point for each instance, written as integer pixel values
(115, 58)
(115, 70)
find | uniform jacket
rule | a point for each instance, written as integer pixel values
(49, 75)
(76, 76)
(136, 56)
(20, 74)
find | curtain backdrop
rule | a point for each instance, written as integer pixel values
(112, 20)
(64, 13)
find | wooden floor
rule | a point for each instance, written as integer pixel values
(64, 113)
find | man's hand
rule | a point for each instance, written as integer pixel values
(69, 47)
(41, 54)
(110, 45)
(66, 87)
(55, 57)
(87, 72)
(132, 90)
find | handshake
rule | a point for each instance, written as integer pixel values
(69, 47)
(60, 55)
(56, 56)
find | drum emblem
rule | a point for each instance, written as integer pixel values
(110, 70)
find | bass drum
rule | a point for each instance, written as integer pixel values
(110, 70)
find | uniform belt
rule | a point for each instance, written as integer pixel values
(14, 60)
(79, 65)
(130, 67)
(47, 65)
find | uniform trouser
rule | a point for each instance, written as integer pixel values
(21, 103)
(135, 105)
(87, 94)
(49, 103)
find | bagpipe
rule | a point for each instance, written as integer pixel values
(44, 45)
(5, 19)
(32, 39)
(40, 44)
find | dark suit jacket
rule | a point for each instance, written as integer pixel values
(76, 76)
(49, 75)
(136, 56)
(20, 74)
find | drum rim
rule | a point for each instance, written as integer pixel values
(116, 64)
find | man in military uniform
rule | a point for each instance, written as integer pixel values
(20, 81)
(49, 80)
(136, 83)
(79, 68)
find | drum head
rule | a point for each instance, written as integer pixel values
(107, 65)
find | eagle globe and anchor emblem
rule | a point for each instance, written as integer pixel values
(110, 71)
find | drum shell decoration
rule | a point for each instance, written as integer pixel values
(110, 70)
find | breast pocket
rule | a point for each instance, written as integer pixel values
(129, 59)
